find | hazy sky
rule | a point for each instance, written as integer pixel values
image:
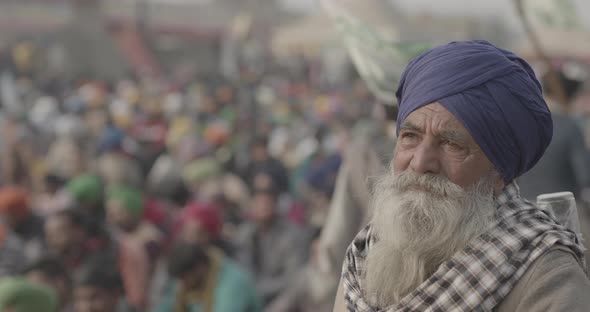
(500, 8)
(504, 9)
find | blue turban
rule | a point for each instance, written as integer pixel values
(492, 92)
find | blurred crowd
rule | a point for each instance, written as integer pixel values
(196, 194)
(199, 192)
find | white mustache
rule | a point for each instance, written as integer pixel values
(409, 181)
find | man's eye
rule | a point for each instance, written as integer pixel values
(452, 145)
(408, 135)
(409, 138)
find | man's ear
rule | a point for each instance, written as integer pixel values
(499, 183)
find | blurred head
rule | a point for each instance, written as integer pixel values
(53, 183)
(196, 173)
(259, 151)
(50, 272)
(200, 224)
(124, 207)
(14, 205)
(264, 206)
(87, 191)
(20, 295)
(189, 264)
(99, 288)
(263, 181)
(64, 231)
(96, 119)
(569, 86)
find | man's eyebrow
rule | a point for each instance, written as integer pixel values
(453, 135)
(448, 134)
(408, 126)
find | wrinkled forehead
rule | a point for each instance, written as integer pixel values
(435, 119)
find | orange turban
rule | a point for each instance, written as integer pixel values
(14, 202)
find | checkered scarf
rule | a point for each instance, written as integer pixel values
(478, 277)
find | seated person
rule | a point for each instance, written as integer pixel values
(206, 280)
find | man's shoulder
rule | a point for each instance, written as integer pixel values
(554, 282)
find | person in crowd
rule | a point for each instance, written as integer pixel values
(116, 168)
(206, 280)
(87, 191)
(201, 175)
(261, 160)
(450, 230)
(19, 295)
(565, 164)
(202, 224)
(137, 243)
(74, 238)
(65, 156)
(270, 246)
(16, 153)
(125, 209)
(150, 133)
(48, 271)
(99, 288)
(17, 214)
(52, 198)
(308, 292)
(12, 256)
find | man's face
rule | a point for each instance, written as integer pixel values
(194, 233)
(259, 153)
(262, 181)
(119, 216)
(95, 299)
(60, 233)
(433, 141)
(263, 208)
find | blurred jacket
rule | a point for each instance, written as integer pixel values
(273, 256)
(565, 166)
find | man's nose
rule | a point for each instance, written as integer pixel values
(426, 159)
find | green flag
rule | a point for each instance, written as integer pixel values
(380, 62)
(556, 14)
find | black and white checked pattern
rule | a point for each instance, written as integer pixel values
(478, 277)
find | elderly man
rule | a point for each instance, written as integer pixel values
(450, 231)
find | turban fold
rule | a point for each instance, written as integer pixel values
(492, 92)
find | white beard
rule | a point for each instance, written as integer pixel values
(418, 230)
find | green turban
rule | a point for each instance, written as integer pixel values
(200, 170)
(86, 188)
(129, 197)
(23, 296)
